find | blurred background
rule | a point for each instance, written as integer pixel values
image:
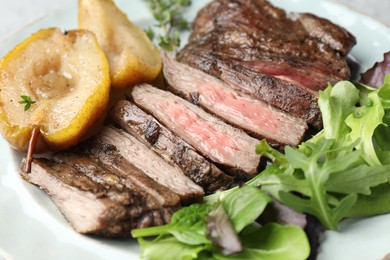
(15, 14)
(379, 9)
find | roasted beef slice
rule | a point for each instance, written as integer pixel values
(102, 202)
(223, 144)
(276, 55)
(255, 116)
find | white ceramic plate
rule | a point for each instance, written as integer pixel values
(32, 228)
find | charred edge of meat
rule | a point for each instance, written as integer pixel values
(152, 132)
(200, 170)
(240, 175)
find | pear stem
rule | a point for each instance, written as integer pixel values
(30, 151)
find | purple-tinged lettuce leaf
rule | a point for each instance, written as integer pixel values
(374, 76)
(221, 232)
(281, 214)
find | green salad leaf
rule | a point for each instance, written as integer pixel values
(377, 202)
(312, 171)
(187, 237)
(272, 242)
(334, 174)
(168, 247)
(341, 171)
(336, 105)
(363, 123)
(244, 208)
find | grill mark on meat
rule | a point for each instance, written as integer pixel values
(152, 132)
(221, 143)
(96, 207)
(169, 146)
(252, 115)
(122, 175)
(112, 139)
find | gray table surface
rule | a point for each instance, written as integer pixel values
(15, 14)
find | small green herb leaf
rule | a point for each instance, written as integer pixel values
(170, 22)
(27, 101)
(150, 33)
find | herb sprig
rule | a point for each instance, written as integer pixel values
(170, 22)
(27, 101)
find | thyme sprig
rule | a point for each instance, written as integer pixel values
(27, 101)
(170, 22)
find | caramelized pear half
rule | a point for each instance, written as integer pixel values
(67, 75)
(132, 56)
